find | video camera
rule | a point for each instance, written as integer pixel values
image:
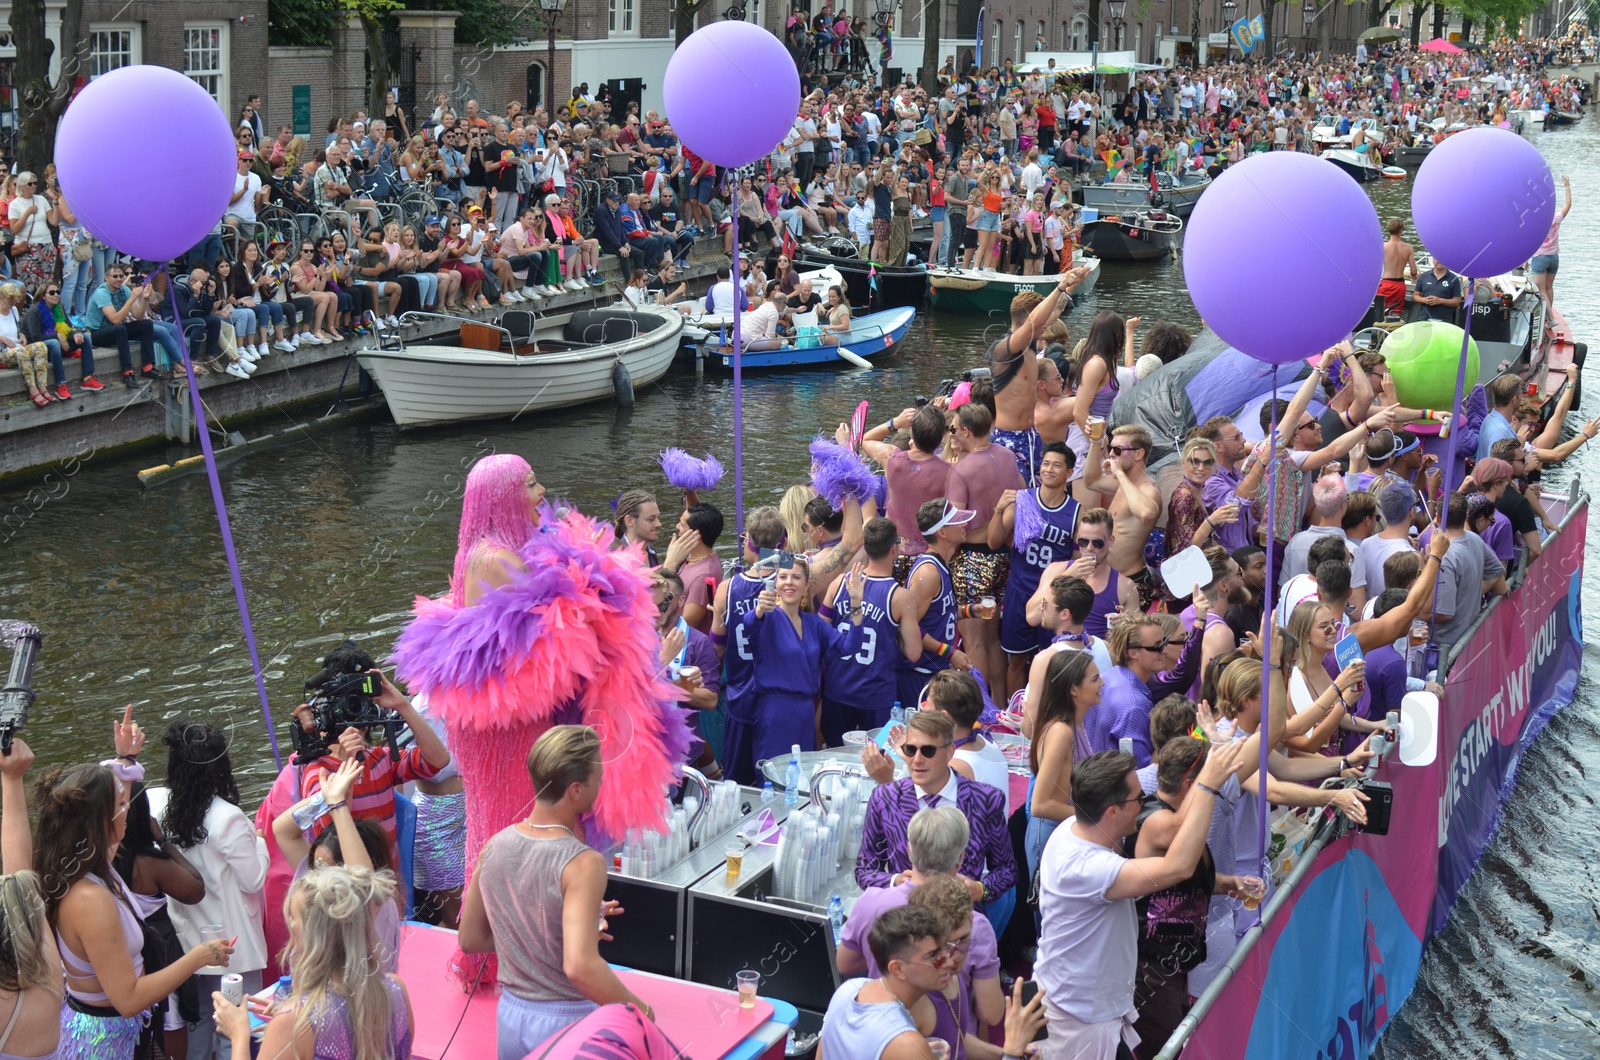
(344, 696)
(17, 695)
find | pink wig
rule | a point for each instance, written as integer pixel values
(494, 512)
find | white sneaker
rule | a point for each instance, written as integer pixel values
(392, 320)
(249, 366)
(312, 339)
(530, 295)
(576, 285)
(237, 370)
(283, 345)
(552, 288)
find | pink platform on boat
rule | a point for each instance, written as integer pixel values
(705, 1022)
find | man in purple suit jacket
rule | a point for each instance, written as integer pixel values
(988, 868)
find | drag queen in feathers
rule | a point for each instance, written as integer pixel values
(545, 623)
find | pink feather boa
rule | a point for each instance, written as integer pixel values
(570, 639)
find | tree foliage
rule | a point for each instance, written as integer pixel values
(309, 23)
(40, 103)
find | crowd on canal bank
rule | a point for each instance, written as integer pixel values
(465, 211)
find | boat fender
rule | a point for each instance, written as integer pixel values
(858, 361)
(622, 384)
(1580, 353)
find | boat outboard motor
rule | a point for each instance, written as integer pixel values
(622, 383)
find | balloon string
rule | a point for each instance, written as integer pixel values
(222, 518)
(1442, 514)
(738, 385)
(1264, 824)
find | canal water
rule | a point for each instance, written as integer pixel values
(337, 534)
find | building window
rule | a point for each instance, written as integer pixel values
(623, 21)
(1138, 32)
(205, 59)
(1080, 33)
(1041, 43)
(994, 45)
(1018, 54)
(110, 49)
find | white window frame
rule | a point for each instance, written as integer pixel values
(999, 32)
(135, 42)
(196, 72)
(1080, 33)
(1017, 38)
(622, 18)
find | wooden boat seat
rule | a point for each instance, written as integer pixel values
(480, 336)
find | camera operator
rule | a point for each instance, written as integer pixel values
(373, 795)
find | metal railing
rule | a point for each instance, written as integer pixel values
(1330, 829)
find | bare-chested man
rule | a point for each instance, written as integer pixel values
(1135, 503)
(1398, 260)
(1052, 410)
(984, 472)
(1015, 372)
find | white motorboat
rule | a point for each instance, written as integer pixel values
(526, 363)
(1327, 136)
(1361, 165)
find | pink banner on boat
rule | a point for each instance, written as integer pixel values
(1336, 964)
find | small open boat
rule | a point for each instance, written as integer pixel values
(981, 292)
(1413, 156)
(1176, 193)
(866, 283)
(871, 336)
(699, 325)
(1560, 119)
(526, 363)
(1133, 235)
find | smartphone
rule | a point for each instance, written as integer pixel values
(1030, 987)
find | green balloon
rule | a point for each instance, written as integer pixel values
(1423, 358)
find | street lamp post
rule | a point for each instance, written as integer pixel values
(1228, 8)
(552, 11)
(1309, 13)
(1118, 9)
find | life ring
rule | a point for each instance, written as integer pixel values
(1393, 173)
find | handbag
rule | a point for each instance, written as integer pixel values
(82, 247)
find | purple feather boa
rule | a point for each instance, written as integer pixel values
(1027, 518)
(687, 473)
(837, 473)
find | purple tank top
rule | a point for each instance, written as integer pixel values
(912, 483)
(335, 1035)
(1105, 602)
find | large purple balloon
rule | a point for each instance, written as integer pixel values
(146, 160)
(1483, 201)
(1283, 256)
(731, 92)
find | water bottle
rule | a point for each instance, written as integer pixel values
(836, 918)
(280, 993)
(1125, 745)
(791, 777)
(307, 814)
(767, 794)
(897, 714)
